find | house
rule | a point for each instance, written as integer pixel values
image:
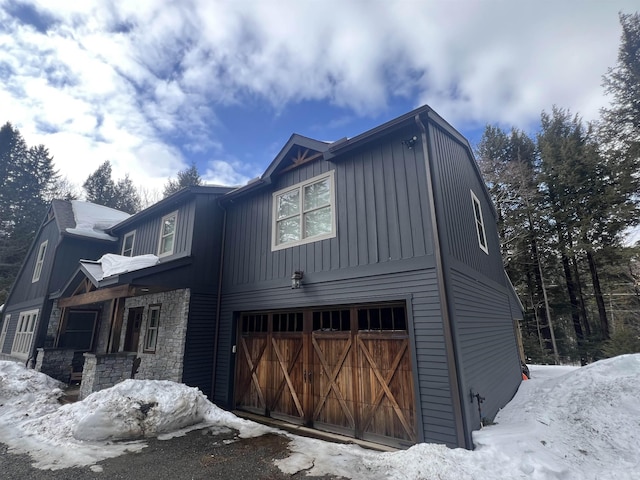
(355, 287)
(154, 304)
(71, 230)
(363, 290)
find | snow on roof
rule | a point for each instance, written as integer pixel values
(111, 264)
(564, 423)
(92, 220)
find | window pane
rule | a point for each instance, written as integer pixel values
(167, 245)
(317, 195)
(288, 204)
(288, 230)
(168, 226)
(317, 222)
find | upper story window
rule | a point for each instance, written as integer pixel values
(477, 212)
(304, 212)
(127, 244)
(42, 251)
(167, 234)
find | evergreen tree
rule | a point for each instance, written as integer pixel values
(621, 121)
(186, 178)
(101, 189)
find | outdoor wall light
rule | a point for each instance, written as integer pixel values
(296, 279)
(410, 142)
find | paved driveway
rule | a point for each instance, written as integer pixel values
(198, 455)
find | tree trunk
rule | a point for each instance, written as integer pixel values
(602, 312)
(582, 308)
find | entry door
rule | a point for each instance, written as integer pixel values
(134, 321)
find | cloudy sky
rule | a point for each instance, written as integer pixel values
(153, 85)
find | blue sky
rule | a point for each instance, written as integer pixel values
(153, 85)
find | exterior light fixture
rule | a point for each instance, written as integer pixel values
(296, 279)
(410, 142)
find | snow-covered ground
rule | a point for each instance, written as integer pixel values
(565, 423)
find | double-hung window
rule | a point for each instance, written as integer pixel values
(24, 333)
(477, 212)
(3, 333)
(304, 212)
(151, 335)
(167, 234)
(127, 244)
(42, 251)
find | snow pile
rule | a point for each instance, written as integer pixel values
(116, 264)
(565, 423)
(93, 220)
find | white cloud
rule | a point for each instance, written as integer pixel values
(124, 81)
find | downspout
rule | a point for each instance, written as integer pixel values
(454, 377)
(218, 302)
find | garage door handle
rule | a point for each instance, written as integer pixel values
(304, 376)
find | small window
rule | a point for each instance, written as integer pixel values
(167, 234)
(42, 251)
(24, 333)
(332, 321)
(287, 322)
(3, 333)
(477, 212)
(304, 212)
(127, 244)
(255, 323)
(384, 318)
(151, 335)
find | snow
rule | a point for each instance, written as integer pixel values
(93, 220)
(564, 423)
(116, 264)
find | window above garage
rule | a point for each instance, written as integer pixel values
(304, 212)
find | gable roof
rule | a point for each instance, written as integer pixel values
(169, 203)
(296, 151)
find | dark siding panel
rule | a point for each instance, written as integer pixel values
(488, 351)
(148, 232)
(206, 239)
(23, 288)
(70, 251)
(455, 177)
(381, 216)
(432, 371)
(198, 352)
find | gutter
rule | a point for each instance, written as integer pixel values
(452, 361)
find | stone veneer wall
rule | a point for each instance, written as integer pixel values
(55, 362)
(105, 370)
(168, 360)
(54, 325)
(104, 328)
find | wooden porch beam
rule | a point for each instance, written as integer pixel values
(97, 296)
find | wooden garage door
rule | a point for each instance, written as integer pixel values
(345, 370)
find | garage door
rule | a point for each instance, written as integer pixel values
(345, 370)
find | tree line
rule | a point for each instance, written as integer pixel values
(566, 198)
(28, 183)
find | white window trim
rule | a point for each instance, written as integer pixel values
(37, 269)
(299, 186)
(5, 327)
(146, 347)
(23, 338)
(479, 222)
(173, 245)
(133, 243)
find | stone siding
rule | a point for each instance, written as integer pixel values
(53, 326)
(104, 328)
(168, 360)
(55, 362)
(105, 370)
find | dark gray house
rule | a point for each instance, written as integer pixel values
(363, 290)
(153, 306)
(70, 231)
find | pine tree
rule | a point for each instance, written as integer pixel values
(621, 121)
(101, 189)
(186, 178)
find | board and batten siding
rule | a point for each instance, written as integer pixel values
(381, 211)
(455, 178)
(490, 363)
(200, 336)
(24, 289)
(429, 361)
(148, 232)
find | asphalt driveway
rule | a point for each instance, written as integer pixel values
(200, 454)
